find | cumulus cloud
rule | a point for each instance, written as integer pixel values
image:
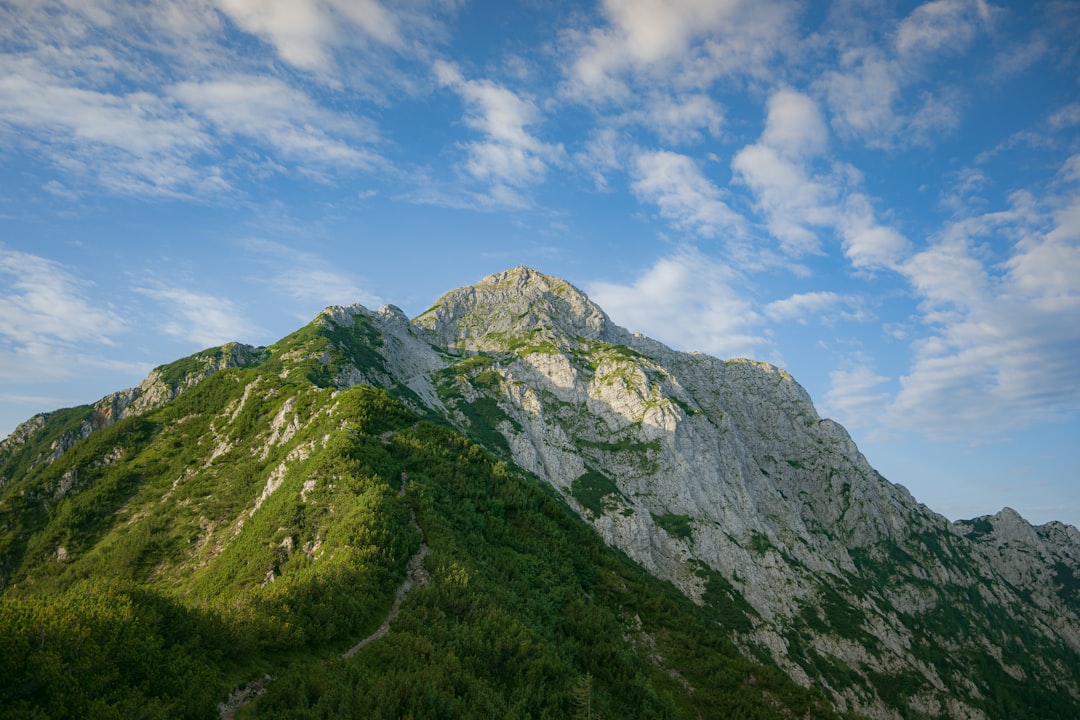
(687, 300)
(870, 93)
(794, 125)
(941, 25)
(306, 33)
(797, 200)
(680, 119)
(862, 95)
(689, 42)
(509, 157)
(855, 397)
(684, 196)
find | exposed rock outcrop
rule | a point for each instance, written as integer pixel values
(721, 477)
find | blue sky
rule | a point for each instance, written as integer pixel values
(881, 197)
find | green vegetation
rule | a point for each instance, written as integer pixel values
(62, 427)
(322, 350)
(110, 650)
(628, 451)
(680, 526)
(1068, 583)
(472, 364)
(759, 543)
(150, 612)
(525, 601)
(537, 340)
(725, 602)
(591, 489)
(980, 527)
(485, 415)
(685, 407)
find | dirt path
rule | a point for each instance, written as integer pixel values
(415, 576)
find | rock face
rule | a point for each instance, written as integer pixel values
(721, 477)
(717, 475)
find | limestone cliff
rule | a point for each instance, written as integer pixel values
(721, 477)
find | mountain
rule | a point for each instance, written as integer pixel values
(583, 520)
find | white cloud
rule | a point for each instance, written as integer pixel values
(200, 319)
(1066, 117)
(160, 98)
(135, 142)
(690, 43)
(678, 118)
(46, 316)
(862, 96)
(604, 153)
(826, 306)
(794, 125)
(855, 397)
(689, 301)
(941, 25)
(1003, 337)
(298, 29)
(872, 92)
(776, 170)
(868, 244)
(683, 194)
(268, 111)
(509, 157)
(43, 304)
(305, 33)
(798, 203)
(310, 279)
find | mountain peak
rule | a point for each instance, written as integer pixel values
(518, 305)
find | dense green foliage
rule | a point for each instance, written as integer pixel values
(524, 602)
(109, 650)
(680, 526)
(591, 489)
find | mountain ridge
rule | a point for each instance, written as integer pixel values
(718, 476)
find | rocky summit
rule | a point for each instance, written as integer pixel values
(661, 533)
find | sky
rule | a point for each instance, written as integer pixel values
(881, 197)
